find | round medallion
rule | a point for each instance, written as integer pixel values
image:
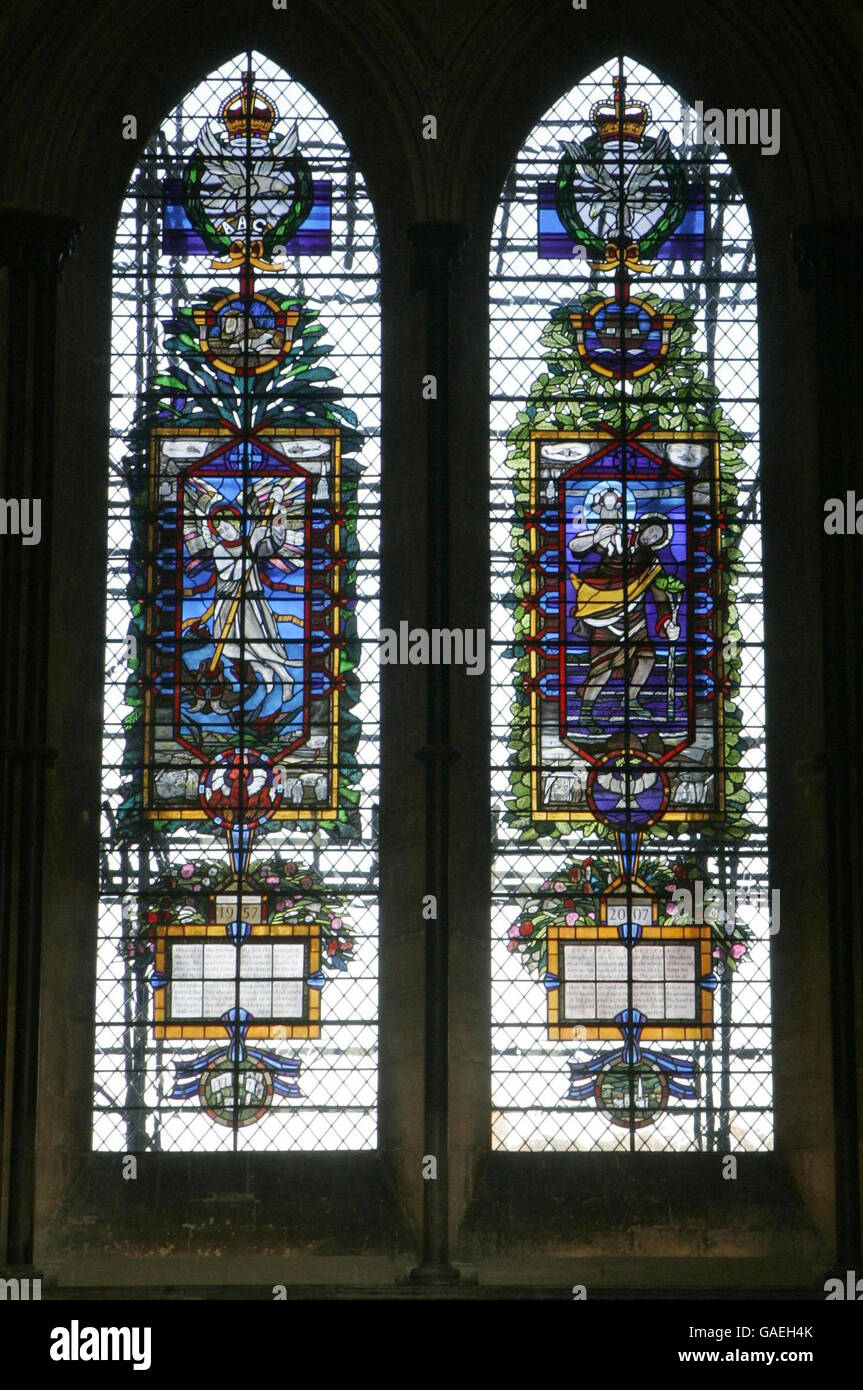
(236, 1094)
(240, 788)
(622, 340)
(245, 337)
(625, 788)
(631, 1096)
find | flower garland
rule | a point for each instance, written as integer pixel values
(572, 898)
(294, 894)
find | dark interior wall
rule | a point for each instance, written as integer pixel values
(488, 71)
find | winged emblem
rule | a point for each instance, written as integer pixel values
(622, 197)
(621, 785)
(263, 185)
(619, 194)
(244, 187)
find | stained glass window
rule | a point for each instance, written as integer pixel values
(631, 911)
(237, 978)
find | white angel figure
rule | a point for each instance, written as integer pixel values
(244, 627)
(231, 186)
(626, 211)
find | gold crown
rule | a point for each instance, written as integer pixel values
(615, 120)
(248, 111)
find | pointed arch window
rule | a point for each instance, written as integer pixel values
(631, 912)
(237, 952)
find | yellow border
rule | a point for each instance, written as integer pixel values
(537, 438)
(291, 316)
(669, 935)
(330, 811)
(579, 325)
(216, 931)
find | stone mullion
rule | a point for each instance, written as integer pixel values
(436, 246)
(32, 247)
(828, 258)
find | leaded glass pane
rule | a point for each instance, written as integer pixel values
(631, 911)
(237, 977)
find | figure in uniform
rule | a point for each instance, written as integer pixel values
(611, 603)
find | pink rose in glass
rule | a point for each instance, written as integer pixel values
(738, 950)
(187, 871)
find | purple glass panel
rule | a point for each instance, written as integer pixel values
(179, 238)
(555, 243)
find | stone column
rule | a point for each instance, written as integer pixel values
(32, 248)
(436, 246)
(828, 257)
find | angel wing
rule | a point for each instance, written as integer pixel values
(291, 509)
(294, 496)
(200, 498)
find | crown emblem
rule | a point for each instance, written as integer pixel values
(615, 120)
(248, 111)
